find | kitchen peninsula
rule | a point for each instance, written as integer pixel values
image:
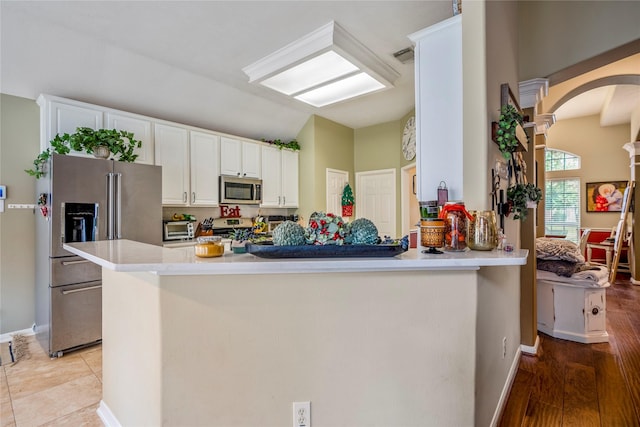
(235, 340)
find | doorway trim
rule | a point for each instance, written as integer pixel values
(405, 179)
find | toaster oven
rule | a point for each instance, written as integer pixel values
(178, 230)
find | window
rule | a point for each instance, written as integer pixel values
(562, 196)
(557, 160)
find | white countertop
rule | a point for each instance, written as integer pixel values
(130, 256)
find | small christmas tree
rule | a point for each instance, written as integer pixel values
(347, 201)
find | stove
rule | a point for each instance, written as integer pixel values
(224, 226)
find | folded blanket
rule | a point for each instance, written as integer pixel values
(558, 249)
(595, 273)
(559, 267)
(602, 282)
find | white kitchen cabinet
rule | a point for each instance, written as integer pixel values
(439, 80)
(239, 158)
(141, 129)
(60, 116)
(279, 178)
(290, 178)
(205, 168)
(172, 153)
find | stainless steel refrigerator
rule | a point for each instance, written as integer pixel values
(86, 199)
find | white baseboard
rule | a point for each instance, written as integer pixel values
(107, 417)
(634, 281)
(533, 351)
(7, 337)
(507, 387)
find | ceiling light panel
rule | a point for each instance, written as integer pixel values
(320, 69)
(340, 90)
(324, 56)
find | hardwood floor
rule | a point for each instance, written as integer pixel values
(573, 384)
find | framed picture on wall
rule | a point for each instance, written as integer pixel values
(606, 196)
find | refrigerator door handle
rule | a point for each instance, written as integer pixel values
(73, 291)
(83, 261)
(110, 207)
(118, 206)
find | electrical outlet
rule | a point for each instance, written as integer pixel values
(504, 347)
(301, 414)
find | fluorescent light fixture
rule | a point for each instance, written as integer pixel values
(340, 90)
(322, 68)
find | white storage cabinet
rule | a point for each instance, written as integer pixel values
(239, 158)
(572, 312)
(190, 165)
(60, 116)
(279, 178)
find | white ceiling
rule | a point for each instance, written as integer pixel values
(182, 60)
(614, 104)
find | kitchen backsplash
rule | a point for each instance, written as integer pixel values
(246, 211)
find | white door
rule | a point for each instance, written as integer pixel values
(336, 180)
(376, 199)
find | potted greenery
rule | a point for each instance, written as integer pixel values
(100, 142)
(522, 197)
(505, 130)
(239, 239)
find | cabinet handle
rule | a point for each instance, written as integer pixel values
(244, 174)
(238, 173)
(193, 197)
(279, 201)
(184, 197)
(284, 200)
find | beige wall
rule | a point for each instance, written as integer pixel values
(490, 58)
(19, 145)
(602, 159)
(554, 35)
(389, 348)
(307, 192)
(324, 144)
(380, 147)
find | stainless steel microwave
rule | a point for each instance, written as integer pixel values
(244, 191)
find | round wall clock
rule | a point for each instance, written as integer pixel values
(409, 139)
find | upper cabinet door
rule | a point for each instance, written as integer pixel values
(271, 177)
(141, 130)
(66, 118)
(230, 156)
(251, 164)
(172, 153)
(290, 186)
(239, 158)
(205, 168)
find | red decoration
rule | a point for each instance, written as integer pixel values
(228, 212)
(347, 210)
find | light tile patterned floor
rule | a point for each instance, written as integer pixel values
(39, 391)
